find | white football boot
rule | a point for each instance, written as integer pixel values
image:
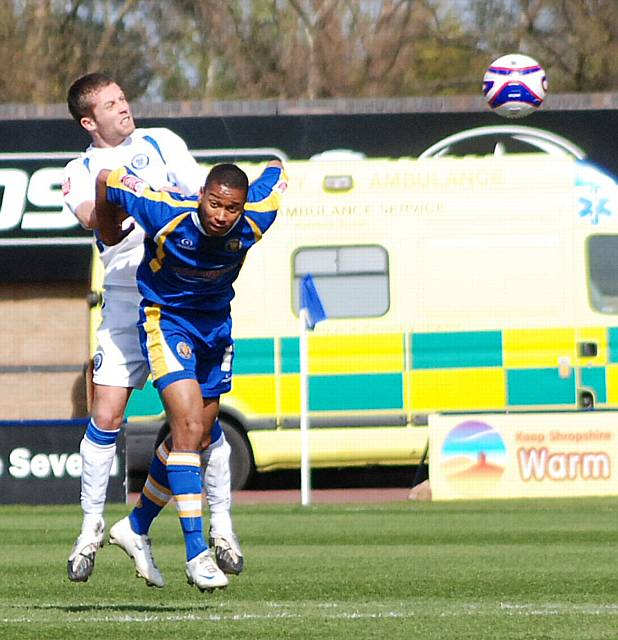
(137, 547)
(227, 552)
(204, 573)
(81, 561)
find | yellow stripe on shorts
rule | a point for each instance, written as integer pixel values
(160, 357)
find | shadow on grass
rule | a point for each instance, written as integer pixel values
(141, 608)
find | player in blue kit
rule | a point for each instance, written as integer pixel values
(194, 250)
(161, 158)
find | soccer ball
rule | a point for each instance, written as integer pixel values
(514, 85)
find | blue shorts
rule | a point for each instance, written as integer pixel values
(184, 344)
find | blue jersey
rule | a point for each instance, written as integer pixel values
(184, 267)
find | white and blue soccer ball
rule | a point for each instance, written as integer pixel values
(514, 85)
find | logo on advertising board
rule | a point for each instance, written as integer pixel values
(40, 463)
(523, 455)
(31, 201)
(473, 453)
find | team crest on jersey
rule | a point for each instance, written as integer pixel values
(140, 161)
(97, 360)
(133, 183)
(66, 187)
(234, 245)
(184, 350)
(186, 243)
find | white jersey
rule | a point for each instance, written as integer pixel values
(160, 158)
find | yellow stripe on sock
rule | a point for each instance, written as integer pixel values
(163, 452)
(155, 492)
(189, 505)
(190, 514)
(153, 497)
(185, 498)
(184, 458)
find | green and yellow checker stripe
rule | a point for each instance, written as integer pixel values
(518, 369)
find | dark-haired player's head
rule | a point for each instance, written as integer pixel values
(99, 105)
(222, 198)
(228, 174)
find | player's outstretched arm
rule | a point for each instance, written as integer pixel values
(275, 163)
(109, 216)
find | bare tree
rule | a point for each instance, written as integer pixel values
(256, 49)
(323, 48)
(575, 40)
(45, 44)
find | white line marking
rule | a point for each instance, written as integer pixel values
(328, 610)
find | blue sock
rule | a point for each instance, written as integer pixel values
(155, 494)
(183, 473)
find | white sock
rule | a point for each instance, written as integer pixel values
(90, 522)
(218, 487)
(97, 463)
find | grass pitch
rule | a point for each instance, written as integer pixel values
(535, 569)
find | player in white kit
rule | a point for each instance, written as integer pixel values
(160, 158)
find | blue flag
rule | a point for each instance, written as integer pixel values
(310, 300)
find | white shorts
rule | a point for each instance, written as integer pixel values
(118, 360)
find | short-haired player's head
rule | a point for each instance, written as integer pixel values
(81, 92)
(222, 198)
(99, 105)
(228, 174)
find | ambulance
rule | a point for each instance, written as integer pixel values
(482, 283)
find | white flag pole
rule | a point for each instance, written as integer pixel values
(305, 469)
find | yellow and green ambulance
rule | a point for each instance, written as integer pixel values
(474, 284)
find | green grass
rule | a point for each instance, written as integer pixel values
(535, 569)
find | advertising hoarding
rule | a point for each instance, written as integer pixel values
(523, 455)
(40, 463)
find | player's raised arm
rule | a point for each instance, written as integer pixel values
(275, 163)
(109, 216)
(264, 195)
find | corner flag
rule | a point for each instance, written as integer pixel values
(310, 300)
(310, 313)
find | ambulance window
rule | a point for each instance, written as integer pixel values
(603, 273)
(352, 282)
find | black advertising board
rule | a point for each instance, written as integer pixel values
(41, 242)
(40, 463)
(301, 136)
